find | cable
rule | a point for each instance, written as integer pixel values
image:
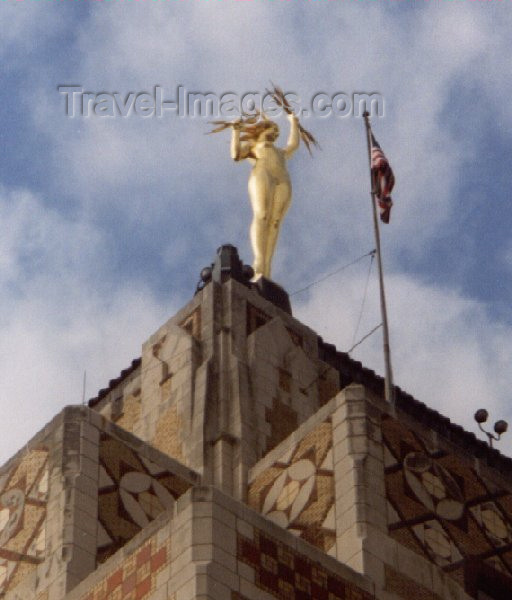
(364, 337)
(371, 253)
(364, 298)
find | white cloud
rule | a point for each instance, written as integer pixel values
(60, 315)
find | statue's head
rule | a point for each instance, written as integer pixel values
(270, 132)
(258, 128)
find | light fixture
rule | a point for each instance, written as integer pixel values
(500, 427)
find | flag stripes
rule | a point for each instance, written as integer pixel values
(383, 180)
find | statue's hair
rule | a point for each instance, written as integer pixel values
(251, 130)
(253, 125)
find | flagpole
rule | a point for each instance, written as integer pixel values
(388, 386)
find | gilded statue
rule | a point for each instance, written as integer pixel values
(270, 191)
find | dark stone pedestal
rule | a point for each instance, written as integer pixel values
(274, 293)
(227, 265)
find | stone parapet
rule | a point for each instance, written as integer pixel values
(211, 547)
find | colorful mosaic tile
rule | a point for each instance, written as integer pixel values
(286, 574)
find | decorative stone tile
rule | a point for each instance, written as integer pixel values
(327, 388)
(136, 576)
(297, 491)
(403, 586)
(283, 421)
(493, 522)
(255, 318)
(168, 433)
(132, 492)
(295, 337)
(433, 486)
(23, 500)
(130, 414)
(437, 542)
(439, 506)
(284, 573)
(192, 323)
(285, 380)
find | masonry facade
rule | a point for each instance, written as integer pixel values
(243, 458)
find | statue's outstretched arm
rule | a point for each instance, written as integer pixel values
(239, 150)
(294, 136)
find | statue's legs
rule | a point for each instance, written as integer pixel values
(260, 194)
(279, 206)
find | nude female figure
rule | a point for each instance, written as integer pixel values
(270, 189)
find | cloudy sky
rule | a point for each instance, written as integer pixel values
(107, 221)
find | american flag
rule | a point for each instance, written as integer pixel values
(383, 180)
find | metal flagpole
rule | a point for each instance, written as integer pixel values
(389, 390)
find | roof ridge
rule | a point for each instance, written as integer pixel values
(353, 371)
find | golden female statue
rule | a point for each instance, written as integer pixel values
(270, 189)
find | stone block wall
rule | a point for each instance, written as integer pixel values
(211, 547)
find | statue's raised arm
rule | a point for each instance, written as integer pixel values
(293, 137)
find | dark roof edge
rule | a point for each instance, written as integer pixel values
(115, 382)
(352, 371)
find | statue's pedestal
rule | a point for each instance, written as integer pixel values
(227, 265)
(274, 293)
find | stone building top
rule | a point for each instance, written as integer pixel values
(243, 458)
(227, 266)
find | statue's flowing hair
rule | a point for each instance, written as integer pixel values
(253, 125)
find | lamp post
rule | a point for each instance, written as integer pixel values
(500, 427)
